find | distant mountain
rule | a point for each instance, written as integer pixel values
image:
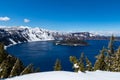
(106, 33)
(14, 35)
(80, 36)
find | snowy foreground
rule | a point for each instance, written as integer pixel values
(64, 75)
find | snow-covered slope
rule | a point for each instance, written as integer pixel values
(63, 75)
(20, 34)
(14, 35)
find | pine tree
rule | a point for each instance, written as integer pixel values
(1, 47)
(78, 65)
(75, 62)
(10, 65)
(111, 45)
(3, 54)
(88, 65)
(6, 66)
(116, 61)
(73, 59)
(17, 68)
(82, 57)
(28, 69)
(108, 61)
(4, 73)
(57, 66)
(100, 62)
(81, 63)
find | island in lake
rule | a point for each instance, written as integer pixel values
(72, 42)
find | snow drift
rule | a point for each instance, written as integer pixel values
(64, 75)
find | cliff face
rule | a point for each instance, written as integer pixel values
(16, 35)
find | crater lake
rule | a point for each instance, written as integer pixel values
(43, 54)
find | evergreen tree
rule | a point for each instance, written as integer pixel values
(1, 47)
(81, 63)
(17, 68)
(28, 69)
(108, 61)
(10, 65)
(111, 45)
(3, 54)
(82, 57)
(100, 62)
(116, 61)
(6, 66)
(73, 59)
(75, 62)
(4, 73)
(88, 65)
(57, 66)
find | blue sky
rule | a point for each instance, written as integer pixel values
(62, 15)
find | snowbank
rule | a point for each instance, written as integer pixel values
(64, 75)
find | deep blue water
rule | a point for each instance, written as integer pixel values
(44, 54)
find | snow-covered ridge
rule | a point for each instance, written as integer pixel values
(14, 35)
(20, 34)
(106, 33)
(64, 75)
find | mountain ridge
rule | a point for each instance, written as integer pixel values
(20, 34)
(14, 35)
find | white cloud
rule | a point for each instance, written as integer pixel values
(26, 20)
(4, 18)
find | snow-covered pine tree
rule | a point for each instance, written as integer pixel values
(57, 66)
(88, 65)
(74, 61)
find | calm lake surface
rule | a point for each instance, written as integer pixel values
(43, 54)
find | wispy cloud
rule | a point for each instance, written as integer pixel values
(4, 18)
(26, 20)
